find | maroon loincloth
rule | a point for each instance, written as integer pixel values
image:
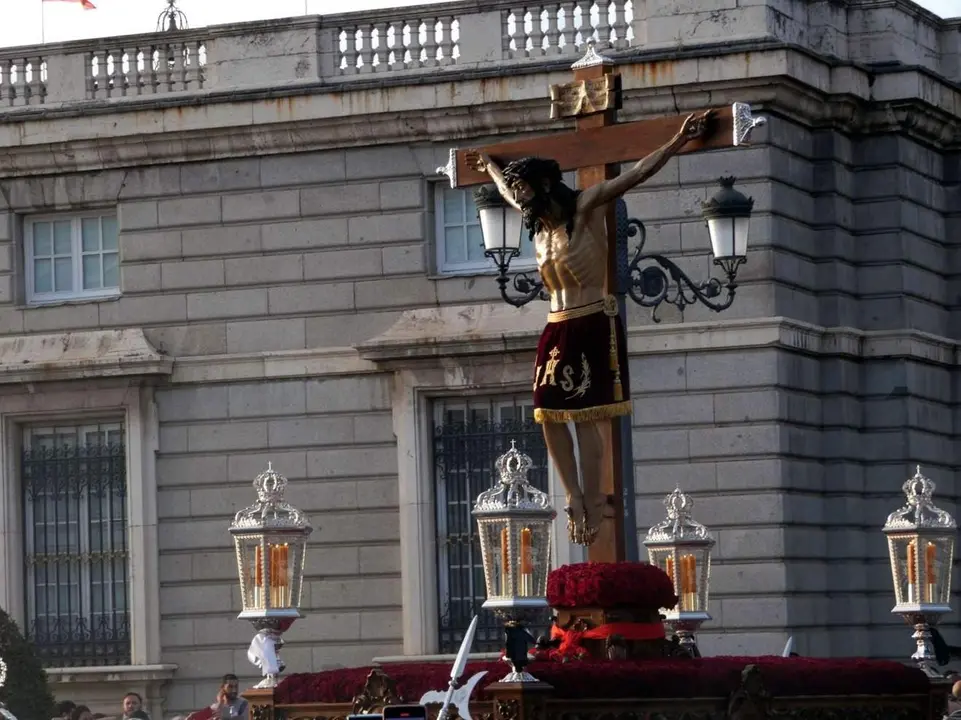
(583, 386)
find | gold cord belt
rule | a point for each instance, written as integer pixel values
(608, 305)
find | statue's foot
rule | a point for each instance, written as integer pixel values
(595, 509)
(575, 519)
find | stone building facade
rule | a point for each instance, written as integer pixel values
(231, 245)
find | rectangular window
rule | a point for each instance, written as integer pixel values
(75, 536)
(469, 435)
(460, 242)
(71, 258)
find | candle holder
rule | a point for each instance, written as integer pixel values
(681, 547)
(514, 524)
(270, 538)
(921, 547)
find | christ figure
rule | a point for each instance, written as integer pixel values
(580, 371)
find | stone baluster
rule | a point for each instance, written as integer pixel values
(37, 90)
(416, 46)
(620, 24)
(445, 42)
(348, 43)
(167, 68)
(603, 23)
(519, 36)
(430, 42)
(586, 27)
(362, 36)
(396, 52)
(379, 56)
(567, 37)
(553, 30)
(537, 30)
(134, 72)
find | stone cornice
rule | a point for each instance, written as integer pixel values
(79, 355)
(192, 128)
(494, 330)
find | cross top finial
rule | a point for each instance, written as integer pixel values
(591, 58)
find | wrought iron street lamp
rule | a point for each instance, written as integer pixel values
(514, 525)
(501, 226)
(921, 545)
(270, 538)
(681, 547)
(650, 279)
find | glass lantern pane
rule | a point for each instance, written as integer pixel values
(279, 568)
(492, 553)
(904, 573)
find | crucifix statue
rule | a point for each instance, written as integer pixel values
(580, 370)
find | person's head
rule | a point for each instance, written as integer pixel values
(230, 686)
(956, 689)
(539, 190)
(132, 702)
(64, 708)
(81, 712)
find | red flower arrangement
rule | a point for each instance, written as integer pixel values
(610, 585)
(703, 677)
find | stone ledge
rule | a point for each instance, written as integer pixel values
(112, 673)
(79, 355)
(271, 364)
(489, 329)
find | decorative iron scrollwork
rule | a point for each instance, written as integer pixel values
(663, 281)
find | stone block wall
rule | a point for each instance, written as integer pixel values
(333, 439)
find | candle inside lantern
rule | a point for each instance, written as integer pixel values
(688, 583)
(669, 569)
(526, 563)
(912, 571)
(930, 577)
(279, 583)
(258, 578)
(505, 563)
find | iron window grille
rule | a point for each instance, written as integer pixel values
(469, 435)
(75, 532)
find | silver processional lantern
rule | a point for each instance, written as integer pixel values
(921, 547)
(270, 538)
(514, 524)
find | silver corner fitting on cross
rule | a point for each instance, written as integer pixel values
(450, 169)
(744, 123)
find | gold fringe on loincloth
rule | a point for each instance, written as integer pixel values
(598, 412)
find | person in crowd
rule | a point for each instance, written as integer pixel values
(229, 704)
(65, 708)
(132, 704)
(81, 712)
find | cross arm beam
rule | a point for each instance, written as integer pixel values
(607, 145)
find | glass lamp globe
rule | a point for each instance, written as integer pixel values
(728, 216)
(500, 223)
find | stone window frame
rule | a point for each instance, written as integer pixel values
(414, 391)
(76, 255)
(62, 403)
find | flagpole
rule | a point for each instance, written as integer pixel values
(43, 28)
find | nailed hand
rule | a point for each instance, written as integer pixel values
(477, 160)
(696, 125)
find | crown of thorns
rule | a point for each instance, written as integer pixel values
(532, 169)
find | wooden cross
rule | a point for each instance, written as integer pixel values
(595, 149)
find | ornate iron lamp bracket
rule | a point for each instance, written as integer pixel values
(527, 283)
(653, 279)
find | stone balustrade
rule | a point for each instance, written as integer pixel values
(457, 36)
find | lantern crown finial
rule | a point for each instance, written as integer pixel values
(680, 525)
(920, 512)
(270, 511)
(513, 491)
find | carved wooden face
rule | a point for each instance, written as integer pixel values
(523, 192)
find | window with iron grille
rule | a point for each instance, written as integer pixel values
(75, 532)
(469, 435)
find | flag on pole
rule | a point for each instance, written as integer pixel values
(85, 4)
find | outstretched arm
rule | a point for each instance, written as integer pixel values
(480, 161)
(694, 126)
